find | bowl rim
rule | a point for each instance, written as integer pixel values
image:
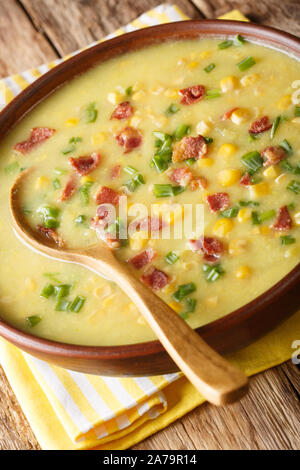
(265, 35)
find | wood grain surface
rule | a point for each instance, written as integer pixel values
(36, 31)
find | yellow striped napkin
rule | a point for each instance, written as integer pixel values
(69, 410)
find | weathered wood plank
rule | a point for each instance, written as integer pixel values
(71, 25)
(267, 418)
(284, 15)
(20, 44)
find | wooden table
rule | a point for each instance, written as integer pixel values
(37, 31)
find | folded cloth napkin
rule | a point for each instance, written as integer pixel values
(69, 410)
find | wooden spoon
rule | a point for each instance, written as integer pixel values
(214, 377)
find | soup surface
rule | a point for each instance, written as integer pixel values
(201, 122)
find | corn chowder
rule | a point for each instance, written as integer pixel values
(190, 122)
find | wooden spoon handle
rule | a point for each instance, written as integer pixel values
(214, 377)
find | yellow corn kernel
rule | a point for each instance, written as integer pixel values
(171, 92)
(228, 177)
(239, 116)
(41, 182)
(72, 122)
(135, 121)
(203, 162)
(103, 291)
(260, 189)
(114, 97)
(237, 246)
(212, 301)
(271, 172)
(175, 306)
(193, 65)
(297, 218)
(30, 283)
(284, 102)
(229, 83)
(223, 226)
(171, 286)
(249, 79)
(138, 96)
(244, 215)
(87, 179)
(296, 120)
(264, 230)
(160, 121)
(205, 54)
(243, 272)
(107, 302)
(203, 128)
(98, 139)
(227, 150)
(138, 240)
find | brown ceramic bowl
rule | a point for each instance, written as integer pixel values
(226, 335)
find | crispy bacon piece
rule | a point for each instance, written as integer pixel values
(155, 278)
(98, 224)
(273, 155)
(69, 189)
(211, 248)
(129, 138)
(116, 172)
(36, 137)
(198, 182)
(85, 165)
(192, 94)
(218, 201)
(123, 111)
(228, 114)
(143, 258)
(261, 125)
(181, 176)
(107, 195)
(51, 234)
(284, 220)
(190, 147)
(245, 180)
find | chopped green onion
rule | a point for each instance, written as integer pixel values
(275, 126)
(129, 90)
(68, 149)
(62, 290)
(50, 216)
(246, 63)
(91, 113)
(212, 273)
(255, 218)
(75, 140)
(167, 190)
(230, 213)
(12, 168)
(297, 169)
(297, 111)
(181, 131)
(253, 160)
(209, 68)
(52, 276)
(239, 40)
(84, 192)
(63, 305)
(287, 240)
(294, 186)
(60, 171)
(172, 109)
(47, 291)
(183, 291)
(56, 183)
(248, 203)
(171, 257)
(287, 147)
(208, 140)
(191, 305)
(267, 215)
(80, 219)
(130, 170)
(33, 320)
(225, 44)
(77, 303)
(214, 93)
(161, 163)
(190, 161)
(286, 166)
(291, 206)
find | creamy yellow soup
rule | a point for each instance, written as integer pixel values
(235, 136)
